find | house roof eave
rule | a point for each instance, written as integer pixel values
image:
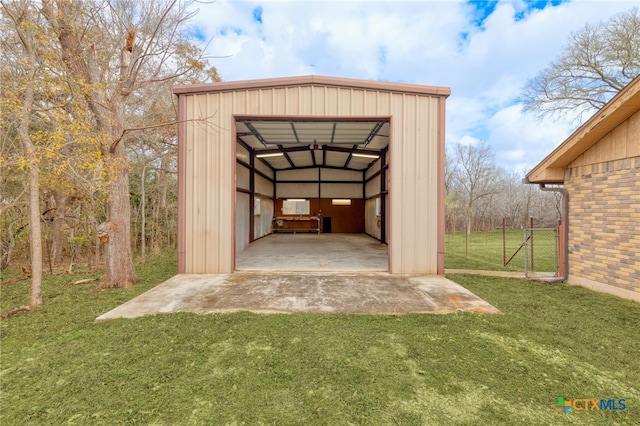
(617, 110)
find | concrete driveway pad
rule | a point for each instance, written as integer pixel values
(286, 292)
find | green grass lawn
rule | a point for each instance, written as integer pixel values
(61, 367)
(485, 251)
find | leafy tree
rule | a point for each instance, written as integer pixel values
(66, 152)
(22, 92)
(97, 96)
(113, 51)
(597, 62)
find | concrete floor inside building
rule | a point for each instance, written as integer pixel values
(314, 252)
(325, 273)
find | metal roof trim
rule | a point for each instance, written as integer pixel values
(311, 80)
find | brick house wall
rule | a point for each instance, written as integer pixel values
(599, 166)
(604, 227)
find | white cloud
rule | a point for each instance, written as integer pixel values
(419, 42)
(468, 140)
(521, 141)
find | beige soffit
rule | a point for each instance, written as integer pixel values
(311, 80)
(617, 110)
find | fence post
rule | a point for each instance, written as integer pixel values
(557, 248)
(531, 228)
(526, 256)
(466, 243)
(561, 271)
(504, 243)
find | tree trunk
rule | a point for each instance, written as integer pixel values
(35, 238)
(93, 225)
(119, 261)
(162, 199)
(108, 111)
(35, 234)
(143, 214)
(58, 221)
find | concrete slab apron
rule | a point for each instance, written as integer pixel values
(287, 292)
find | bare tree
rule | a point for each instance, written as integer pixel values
(476, 177)
(597, 62)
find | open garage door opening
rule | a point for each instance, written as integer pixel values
(312, 194)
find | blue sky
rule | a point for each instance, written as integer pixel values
(485, 51)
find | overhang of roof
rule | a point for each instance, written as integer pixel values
(311, 80)
(616, 111)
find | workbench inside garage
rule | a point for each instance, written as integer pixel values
(294, 224)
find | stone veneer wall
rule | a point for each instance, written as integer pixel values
(604, 223)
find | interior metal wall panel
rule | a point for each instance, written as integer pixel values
(292, 175)
(296, 190)
(342, 175)
(242, 153)
(209, 167)
(242, 221)
(259, 165)
(371, 220)
(372, 187)
(242, 176)
(263, 186)
(263, 222)
(375, 167)
(341, 190)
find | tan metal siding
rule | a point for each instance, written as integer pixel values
(182, 182)
(210, 167)
(413, 185)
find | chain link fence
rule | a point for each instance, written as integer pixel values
(530, 251)
(540, 252)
